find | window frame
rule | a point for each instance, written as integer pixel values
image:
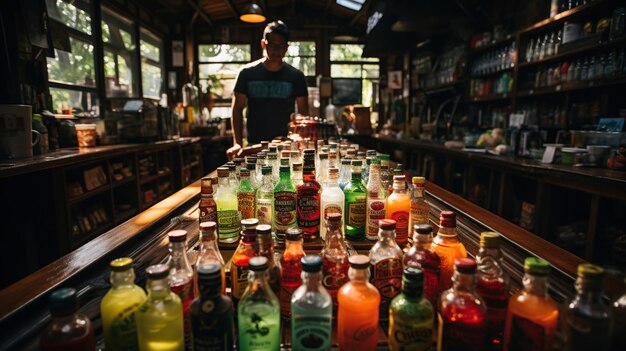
(219, 101)
(314, 56)
(133, 55)
(360, 62)
(152, 39)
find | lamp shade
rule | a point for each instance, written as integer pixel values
(253, 14)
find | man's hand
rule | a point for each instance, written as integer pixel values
(233, 151)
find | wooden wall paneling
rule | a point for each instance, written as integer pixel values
(592, 227)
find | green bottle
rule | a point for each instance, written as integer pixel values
(411, 315)
(246, 195)
(258, 311)
(285, 202)
(356, 203)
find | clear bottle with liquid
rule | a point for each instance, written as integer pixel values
(265, 197)
(332, 200)
(69, 329)
(209, 251)
(376, 202)
(228, 215)
(181, 276)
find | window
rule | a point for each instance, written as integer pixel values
(301, 55)
(218, 65)
(151, 48)
(120, 55)
(351, 4)
(346, 62)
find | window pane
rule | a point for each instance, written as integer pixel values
(304, 64)
(120, 61)
(74, 15)
(80, 101)
(225, 70)
(151, 80)
(150, 51)
(368, 91)
(220, 88)
(76, 67)
(345, 71)
(370, 71)
(224, 52)
(301, 48)
(348, 52)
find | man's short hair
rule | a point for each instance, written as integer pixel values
(276, 27)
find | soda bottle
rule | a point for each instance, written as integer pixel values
(160, 318)
(207, 208)
(264, 247)
(212, 312)
(181, 276)
(321, 176)
(386, 265)
(376, 203)
(532, 317)
(335, 258)
(356, 203)
(344, 173)
(311, 309)
(228, 215)
(386, 177)
(239, 261)
(291, 269)
(398, 209)
(297, 177)
(420, 255)
(308, 196)
(118, 306)
(209, 251)
(448, 247)
(285, 203)
(246, 195)
(462, 312)
(619, 311)
(265, 197)
(411, 316)
(258, 311)
(420, 208)
(332, 199)
(69, 329)
(357, 320)
(493, 286)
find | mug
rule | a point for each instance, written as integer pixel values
(17, 136)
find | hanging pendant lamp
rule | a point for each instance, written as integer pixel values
(253, 14)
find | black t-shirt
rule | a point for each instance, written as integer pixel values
(271, 97)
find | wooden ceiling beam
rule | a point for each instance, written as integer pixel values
(327, 7)
(361, 12)
(199, 11)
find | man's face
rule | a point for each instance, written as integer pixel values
(275, 46)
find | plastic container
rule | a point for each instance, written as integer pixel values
(571, 155)
(86, 135)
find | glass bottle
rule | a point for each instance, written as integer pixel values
(357, 317)
(160, 319)
(264, 247)
(493, 286)
(69, 329)
(251, 166)
(588, 319)
(532, 317)
(212, 312)
(386, 266)
(335, 258)
(227, 211)
(308, 197)
(448, 247)
(619, 312)
(422, 256)
(118, 306)
(344, 173)
(241, 257)
(311, 309)
(295, 156)
(181, 276)
(233, 174)
(258, 311)
(291, 269)
(296, 173)
(356, 202)
(272, 161)
(246, 195)
(462, 311)
(209, 252)
(376, 203)
(285, 203)
(399, 209)
(265, 197)
(385, 174)
(207, 208)
(332, 199)
(411, 315)
(420, 208)
(260, 163)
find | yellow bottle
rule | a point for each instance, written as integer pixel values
(119, 305)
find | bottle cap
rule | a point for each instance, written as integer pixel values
(121, 264)
(238, 160)
(285, 161)
(272, 156)
(413, 276)
(177, 236)
(266, 170)
(244, 172)
(249, 223)
(231, 166)
(63, 301)
(323, 156)
(590, 271)
(264, 229)
(418, 180)
(489, 240)
(308, 151)
(374, 161)
(399, 178)
(345, 161)
(208, 226)
(206, 186)
(251, 165)
(222, 172)
(383, 157)
(297, 166)
(285, 154)
(423, 229)
(387, 224)
(358, 163)
(311, 263)
(370, 152)
(447, 219)
(333, 171)
(465, 265)
(258, 263)
(293, 234)
(158, 271)
(284, 168)
(360, 154)
(210, 271)
(536, 266)
(359, 261)
(251, 159)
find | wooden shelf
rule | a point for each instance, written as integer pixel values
(580, 50)
(163, 174)
(442, 87)
(572, 86)
(89, 194)
(124, 181)
(493, 45)
(491, 74)
(148, 179)
(492, 97)
(565, 15)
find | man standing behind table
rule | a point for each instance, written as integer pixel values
(268, 87)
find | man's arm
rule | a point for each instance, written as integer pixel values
(239, 102)
(302, 102)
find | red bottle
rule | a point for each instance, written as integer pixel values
(239, 263)
(291, 269)
(308, 199)
(207, 206)
(421, 255)
(335, 257)
(181, 276)
(69, 329)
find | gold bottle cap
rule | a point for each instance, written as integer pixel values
(418, 180)
(588, 270)
(121, 264)
(489, 239)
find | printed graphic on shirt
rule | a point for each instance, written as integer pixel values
(269, 89)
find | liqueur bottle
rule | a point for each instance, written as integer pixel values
(212, 312)
(265, 197)
(376, 203)
(291, 269)
(69, 329)
(207, 207)
(398, 209)
(532, 317)
(181, 276)
(619, 313)
(420, 208)
(386, 265)
(243, 254)
(118, 306)
(356, 202)
(321, 177)
(285, 203)
(272, 161)
(209, 251)
(357, 318)
(411, 316)
(160, 318)
(297, 178)
(311, 309)
(332, 200)
(493, 286)
(246, 195)
(258, 311)
(308, 197)
(448, 247)
(588, 319)
(344, 173)
(227, 211)
(264, 247)
(335, 258)
(420, 255)
(462, 312)
(386, 177)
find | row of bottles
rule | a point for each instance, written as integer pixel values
(544, 46)
(494, 60)
(503, 84)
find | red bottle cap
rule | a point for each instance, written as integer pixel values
(177, 236)
(399, 178)
(465, 265)
(208, 226)
(387, 224)
(447, 219)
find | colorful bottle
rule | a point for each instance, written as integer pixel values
(619, 312)
(227, 209)
(264, 247)
(332, 200)
(588, 319)
(212, 312)
(335, 258)
(285, 203)
(251, 166)
(296, 173)
(239, 262)
(531, 321)
(420, 208)
(265, 197)
(323, 160)
(493, 286)
(462, 311)
(386, 260)
(399, 209)
(344, 173)
(291, 269)
(356, 203)
(311, 309)
(69, 330)
(411, 316)
(160, 318)
(420, 255)
(181, 276)
(448, 247)
(207, 207)
(258, 311)
(386, 177)
(308, 196)
(246, 195)
(118, 306)
(376, 203)
(357, 318)
(209, 252)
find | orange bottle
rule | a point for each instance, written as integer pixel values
(357, 318)
(399, 209)
(448, 247)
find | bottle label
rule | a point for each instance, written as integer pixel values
(264, 211)
(363, 333)
(311, 333)
(208, 213)
(259, 331)
(331, 208)
(239, 280)
(460, 336)
(122, 332)
(526, 335)
(211, 334)
(356, 213)
(375, 212)
(407, 337)
(185, 292)
(419, 214)
(334, 275)
(284, 210)
(228, 223)
(387, 278)
(308, 208)
(245, 204)
(402, 225)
